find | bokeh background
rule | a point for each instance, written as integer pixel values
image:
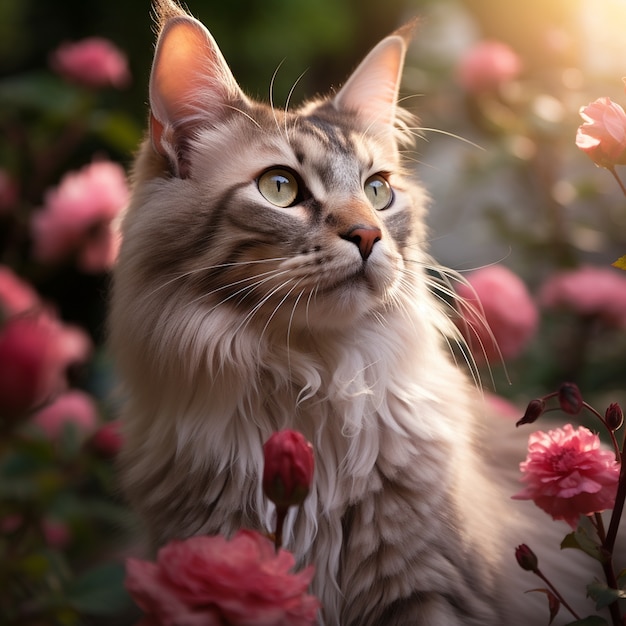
(508, 185)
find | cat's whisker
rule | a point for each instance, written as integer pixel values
(464, 312)
(445, 294)
(265, 275)
(290, 325)
(312, 295)
(282, 301)
(241, 293)
(418, 130)
(247, 115)
(259, 305)
(207, 268)
(271, 101)
(288, 101)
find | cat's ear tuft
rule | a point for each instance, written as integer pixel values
(190, 85)
(372, 90)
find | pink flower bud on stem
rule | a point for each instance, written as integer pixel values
(614, 416)
(287, 473)
(533, 412)
(528, 561)
(570, 398)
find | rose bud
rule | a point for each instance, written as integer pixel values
(526, 558)
(614, 416)
(534, 410)
(570, 398)
(288, 470)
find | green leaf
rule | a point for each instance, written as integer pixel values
(581, 539)
(603, 595)
(620, 263)
(592, 620)
(99, 591)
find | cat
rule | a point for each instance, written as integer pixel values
(273, 274)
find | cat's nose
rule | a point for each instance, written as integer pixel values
(364, 237)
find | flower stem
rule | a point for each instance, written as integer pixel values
(281, 513)
(618, 452)
(555, 591)
(618, 508)
(608, 569)
(617, 178)
(609, 542)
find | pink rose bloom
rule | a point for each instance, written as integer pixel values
(590, 292)
(73, 407)
(94, 62)
(602, 136)
(35, 352)
(488, 65)
(498, 313)
(77, 217)
(16, 295)
(209, 581)
(567, 474)
(28, 358)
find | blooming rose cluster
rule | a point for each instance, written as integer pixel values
(94, 62)
(568, 474)
(36, 348)
(487, 66)
(212, 581)
(598, 292)
(78, 215)
(500, 317)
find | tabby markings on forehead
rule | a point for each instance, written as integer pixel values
(332, 136)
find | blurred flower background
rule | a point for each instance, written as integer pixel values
(521, 212)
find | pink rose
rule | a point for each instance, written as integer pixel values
(498, 313)
(588, 291)
(209, 581)
(16, 295)
(77, 217)
(73, 407)
(28, 355)
(94, 62)
(602, 136)
(35, 352)
(567, 474)
(488, 65)
(288, 469)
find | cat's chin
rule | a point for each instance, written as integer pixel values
(345, 304)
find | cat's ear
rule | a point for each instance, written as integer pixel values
(190, 84)
(372, 90)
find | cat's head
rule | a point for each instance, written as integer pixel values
(302, 217)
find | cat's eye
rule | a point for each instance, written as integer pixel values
(378, 192)
(279, 186)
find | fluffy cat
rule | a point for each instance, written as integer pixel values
(273, 274)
